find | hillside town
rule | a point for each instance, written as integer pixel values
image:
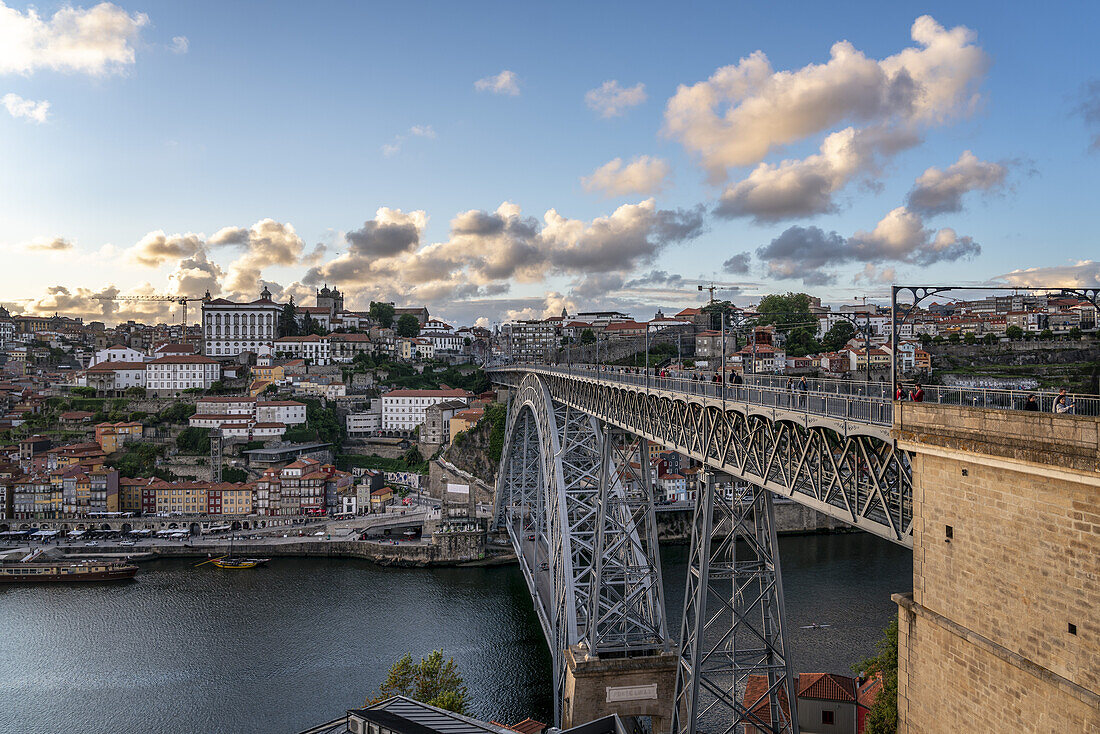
(284, 411)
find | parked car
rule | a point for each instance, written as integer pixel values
(91, 543)
(126, 542)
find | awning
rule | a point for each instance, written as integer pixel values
(75, 533)
(45, 533)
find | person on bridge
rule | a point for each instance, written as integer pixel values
(1032, 403)
(917, 395)
(1062, 403)
(803, 387)
(899, 393)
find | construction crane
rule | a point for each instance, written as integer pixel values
(181, 300)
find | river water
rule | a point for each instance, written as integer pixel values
(278, 649)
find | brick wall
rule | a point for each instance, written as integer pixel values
(987, 628)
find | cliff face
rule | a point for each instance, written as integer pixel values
(477, 450)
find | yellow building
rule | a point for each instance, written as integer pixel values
(129, 494)
(183, 498)
(379, 498)
(464, 420)
(112, 436)
(231, 499)
(272, 373)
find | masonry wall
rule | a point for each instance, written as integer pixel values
(985, 636)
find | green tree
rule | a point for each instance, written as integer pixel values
(989, 339)
(408, 325)
(587, 337)
(954, 337)
(716, 309)
(1014, 332)
(497, 416)
(791, 312)
(1075, 333)
(883, 715)
(193, 440)
(135, 392)
(970, 338)
(382, 313)
(837, 336)
(1046, 334)
(233, 474)
(434, 680)
(288, 321)
(925, 340)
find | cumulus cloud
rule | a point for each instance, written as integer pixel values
(1089, 109)
(506, 82)
(940, 191)
(266, 243)
(180, 45)
(157, 248)
(26, 108)
(739, 263)
(802, 188)
(196, 275)
(96, 40)
(746, 110)
(806, 252)
(643, 175)
(1079, 274)
(876, 276)
(57, 244)
(611, 100)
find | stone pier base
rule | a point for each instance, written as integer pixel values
(637, 686)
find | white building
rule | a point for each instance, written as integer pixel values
(173, 374)
(290, 412)
(673, 487)
(116, 353)
(312, 347)
(403, 410)
(115, 376)
(365, 422)
(247, 417)
(230, 328)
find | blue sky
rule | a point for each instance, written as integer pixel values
(316, 116)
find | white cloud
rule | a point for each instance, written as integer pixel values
(643, 175)
(157, 248)
(506, 82)
(419, 131)
(96, 40)
(746, 110)
(19, 107)
(939, 191)
(810, 253)
(1080, 274)
(180, 45)
(611, 100)
(801, 188)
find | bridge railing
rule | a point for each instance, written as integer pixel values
(861, 401)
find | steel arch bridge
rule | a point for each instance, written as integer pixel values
(575, 496)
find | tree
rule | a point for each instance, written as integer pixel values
(970, 338)
(1046, 334)
(716, 309)
(989, 339)
(954, 337)
(288, 320)
(193, 440)
(233, 474)
(837, 336)
(382, 313)
(792, 311)
(408, 325)
(925, 340)
(883, 715)
(1074, 333)
(307, 324)
(588, 336)
(434, 681)
(1014, 332)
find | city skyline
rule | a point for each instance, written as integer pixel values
(492, 171)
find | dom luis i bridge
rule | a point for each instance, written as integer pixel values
(948, 477)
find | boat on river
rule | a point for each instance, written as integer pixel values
(33, 572)
(238, 563)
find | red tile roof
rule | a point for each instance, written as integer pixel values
(827, 687)
(756, 700)
(116, 366)
(527, 726)
(184, 359)
(409, 393)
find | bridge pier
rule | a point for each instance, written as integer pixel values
(642, 686)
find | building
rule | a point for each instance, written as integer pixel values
(365, 422)
(312, 348)
(328, 387)
(303, 487)
(380, 499)
(116, 353)
(172, 374)
(404, 410)
(464, 420)
(421, 314)
(113, 436)
(437, 421)
(248, 418)
(112, 378)
(531, 341)
(231, 328)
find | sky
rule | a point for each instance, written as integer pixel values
(507, 160)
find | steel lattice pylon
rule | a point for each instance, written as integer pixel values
(556, 460)
(627, 613)
(733, 619)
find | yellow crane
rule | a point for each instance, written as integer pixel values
(181, 300)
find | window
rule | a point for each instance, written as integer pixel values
(827, 717)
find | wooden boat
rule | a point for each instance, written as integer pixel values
(65, 571)
(238, 563)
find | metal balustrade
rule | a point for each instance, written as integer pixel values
(861, 401)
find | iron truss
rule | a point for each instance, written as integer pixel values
(734, 670)
(843, 469)
(560, 492)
